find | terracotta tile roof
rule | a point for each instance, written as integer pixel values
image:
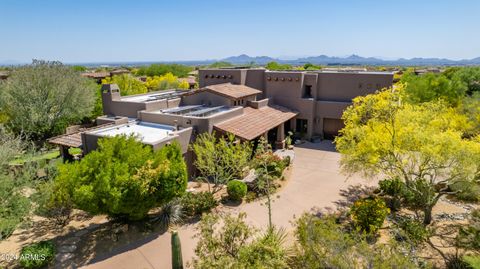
(255, 122)
(232, 90)
(74, 140)
(96, 74)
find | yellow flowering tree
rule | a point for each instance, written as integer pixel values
(164, 82)
(127, 83)
(423, 145)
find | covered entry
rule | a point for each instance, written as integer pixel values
(256, 122)
(331, 127)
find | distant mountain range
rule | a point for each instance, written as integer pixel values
(244, 59)
(351, 60)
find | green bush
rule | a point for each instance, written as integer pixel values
(369, 214)
(37, 255)
(236, 190)
(123, 178)
(473, 261)
(412, 231)
(13, 205)
(392, 189)
(466, 191)
(198, 203)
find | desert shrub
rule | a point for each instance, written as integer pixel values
(123, 178)
(229, 242)
(323, 242)
(236, 190)
(369, 214)
(457, 262)
(198, 203)
(469, 235)
(275, 164)
(52, 205)
(393, 189)
(14, 206)
(37, 255)
(412, 231)
(473, 261)
(466, 190)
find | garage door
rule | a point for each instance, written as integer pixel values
(331, 127)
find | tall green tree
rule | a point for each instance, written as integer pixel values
(423, 145)
(431, 87)
(41, 99)
(123, 178)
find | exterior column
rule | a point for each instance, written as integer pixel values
(280, 143)
(65, 154)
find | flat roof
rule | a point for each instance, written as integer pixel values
(153, 96)
(147, 132)
(194, 110)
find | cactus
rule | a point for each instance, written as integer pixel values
(177, 262)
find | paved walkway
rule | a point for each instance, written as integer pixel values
(315, 182)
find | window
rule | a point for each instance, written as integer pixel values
(307, 91)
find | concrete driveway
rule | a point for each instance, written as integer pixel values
(315, 182)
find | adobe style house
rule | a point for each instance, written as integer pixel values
(319, 97)
(248, 103)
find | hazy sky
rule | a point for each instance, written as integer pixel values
(141, 30)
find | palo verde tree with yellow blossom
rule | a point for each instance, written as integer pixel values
(421, 144)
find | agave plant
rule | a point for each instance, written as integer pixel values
(171, 214)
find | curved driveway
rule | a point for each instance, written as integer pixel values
(315, 182)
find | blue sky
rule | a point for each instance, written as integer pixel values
(141, 30)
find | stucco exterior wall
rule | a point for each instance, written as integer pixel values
(346, 86)
(218, 76)
(205, 98)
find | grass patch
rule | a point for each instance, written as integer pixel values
(36, 157)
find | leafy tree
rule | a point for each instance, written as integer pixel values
(277, 66)
(229, 242)
(127, 83)
(164, 82)
(41, 99)
(430, 87)
(310, 66)
(267, 172)
(123, 178)
(220, 64)
(324, 243)
(10, 147)
(178, 70)
(79, 68)
(422, 145)
(220, 160)
(470, 76)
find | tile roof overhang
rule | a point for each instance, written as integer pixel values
(255, 122)
(74, 140)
